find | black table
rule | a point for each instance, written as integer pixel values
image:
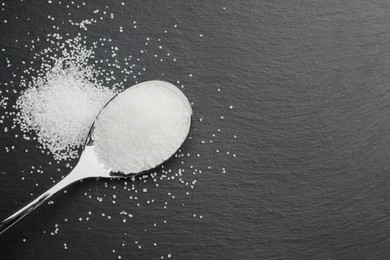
(298, 169)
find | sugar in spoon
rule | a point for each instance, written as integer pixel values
(136, 131)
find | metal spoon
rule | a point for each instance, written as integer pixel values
(88, 167)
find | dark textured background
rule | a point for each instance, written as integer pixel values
(309, 81)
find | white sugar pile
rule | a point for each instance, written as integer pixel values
(142, 127)
(60, 105)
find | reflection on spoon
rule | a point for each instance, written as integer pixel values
(136, 131)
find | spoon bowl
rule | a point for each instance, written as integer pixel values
(89, 164)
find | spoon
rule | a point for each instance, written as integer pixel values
(89, 165)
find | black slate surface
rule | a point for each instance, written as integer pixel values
(309, 82)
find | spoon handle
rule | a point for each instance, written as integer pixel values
(19, 214)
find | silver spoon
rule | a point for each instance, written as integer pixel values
(88, 166)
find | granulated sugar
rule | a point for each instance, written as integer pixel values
(142, 127)
(60, 105)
